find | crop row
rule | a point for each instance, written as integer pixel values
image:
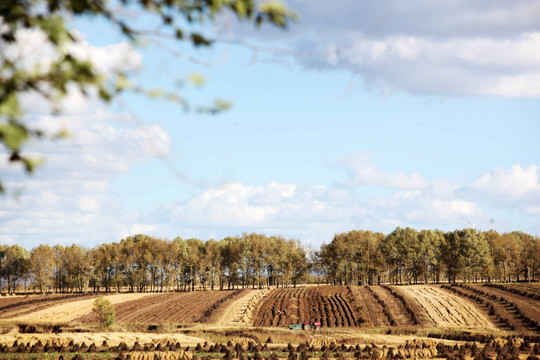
(404, 302)
(514, 291)
(208, 312)
(354, 303)
(384, 306)
(44, 299)
(501, 299)
(492, 311)
(329, 305)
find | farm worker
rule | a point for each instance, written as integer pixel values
(273, 311)
(285, 312)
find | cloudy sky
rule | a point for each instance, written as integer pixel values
(363, 115)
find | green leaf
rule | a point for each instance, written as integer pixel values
(13, 135)
(154, 93)
(199, 40)
(197, 79)
(122, 82)
(30, 163)
(223, 104)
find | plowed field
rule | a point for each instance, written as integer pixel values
(13, 307)
(533, 288)
(529, 308)
(69, 310)
(330, 305)
(369, 309)
(394, 307)
(240, 311)
(445, 309)
(184, 307)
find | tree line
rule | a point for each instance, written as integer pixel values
(143, 263)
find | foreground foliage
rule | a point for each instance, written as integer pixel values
(182, 21)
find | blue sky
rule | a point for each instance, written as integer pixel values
(364, 115)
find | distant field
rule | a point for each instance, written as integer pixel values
(185, 307)
(359, 322)
(505, 307)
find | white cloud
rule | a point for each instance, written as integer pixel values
(32, 50)
(284, 208)
(455, 47)
(428, 65)
(137, 228)
(315, 213)
(513, 184)
(425, 207)
(107, 59)
(75, 205)
(88, 205)
(419, 17)
(361, 170)
(69, 199)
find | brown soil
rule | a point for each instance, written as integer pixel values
(530, 307)
(186, 307)
(445, 309)
(240, 312)
(499, 315)
(11, 307)
(533, 288)
(368, 307)
(328, 305)
(395, 307)
(69, 310)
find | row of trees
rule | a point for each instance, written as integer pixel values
(144, 263)
(409, 256)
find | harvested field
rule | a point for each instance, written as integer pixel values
(530, 308)
(497, 312)
(111, 338)
(395, 308)
(445, 309)
(368, 308)
(69, 310)
(330, 305)
(533, 288)
(11, 307)
(136, 347)
(530, 292)
(185, 307)
(240, 312)
(8, 300)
